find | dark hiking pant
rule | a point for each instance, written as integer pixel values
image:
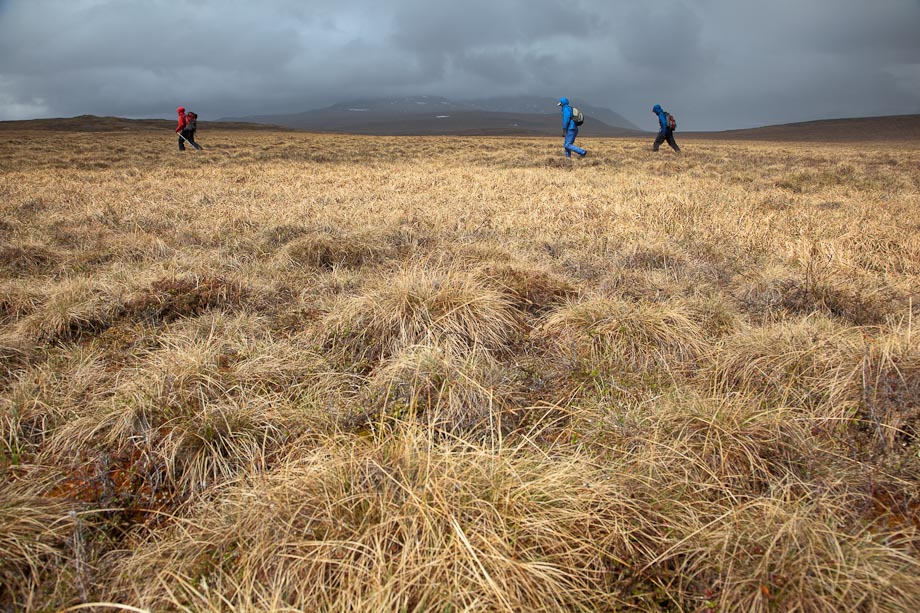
(666, 136)
(188, 135)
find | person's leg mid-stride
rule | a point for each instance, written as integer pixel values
(189, 136)
(570, 144)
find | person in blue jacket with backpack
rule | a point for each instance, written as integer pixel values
(569, 130)
(666, 133)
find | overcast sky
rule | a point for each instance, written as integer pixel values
(716, 64)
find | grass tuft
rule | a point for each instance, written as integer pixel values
(329, 250)
(454, 310)
(462, 395)
(34, 537)
(609, 336)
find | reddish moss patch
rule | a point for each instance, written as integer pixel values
(891, 510)
(121, 342)
(129, 481)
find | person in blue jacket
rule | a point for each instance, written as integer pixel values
(665, 133)
(569, 130)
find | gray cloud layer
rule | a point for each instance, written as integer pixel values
(715, 63)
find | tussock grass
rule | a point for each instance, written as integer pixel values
(17, 299)
(73, 308)
(361, 373)
(12, 356)
(733, 447)
(200, 407)
(34, 535)
(402, 522)
(533, 290)
(746, 508)
(783, 554)
(43, 398)
(846, 298)
(326, 250)
(807, 364)
(653, 256)
(461, 394)
(717, 317)
(458, 311)
(424, 525)
(605, 335)
(890, 386)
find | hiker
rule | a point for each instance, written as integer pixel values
(191, 126)
(666, 133)
(569, 130)
(183, 129)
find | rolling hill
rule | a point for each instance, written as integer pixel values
(859, 129)
(434, 115)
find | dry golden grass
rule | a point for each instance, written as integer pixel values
(300, 372)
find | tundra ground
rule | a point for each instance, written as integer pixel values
(300, 372)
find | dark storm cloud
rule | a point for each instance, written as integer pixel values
(714, 63)
(664, 38)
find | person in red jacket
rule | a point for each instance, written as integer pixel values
(185, 134)
(181, 127)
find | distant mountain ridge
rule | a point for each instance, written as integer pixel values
(547, 106)
(418, 115)
(398, 105)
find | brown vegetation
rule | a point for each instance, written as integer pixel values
(300, 372)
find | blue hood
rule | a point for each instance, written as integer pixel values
(563, 102)
(662, 118)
